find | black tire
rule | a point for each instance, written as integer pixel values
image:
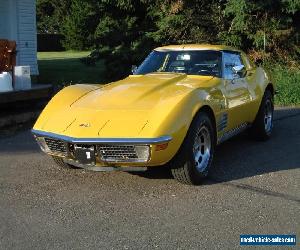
(184, 167)
(262, 127)
(59, 162)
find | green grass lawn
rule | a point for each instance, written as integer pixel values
(64, 68)
(287, 82)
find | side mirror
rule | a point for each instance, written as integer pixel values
(133, 69)
(239, 70)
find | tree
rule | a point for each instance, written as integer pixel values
(185, 21)
(79, 25)
(51, 15)
(263, 24)
(124, 31)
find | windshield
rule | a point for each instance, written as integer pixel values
(202, 62)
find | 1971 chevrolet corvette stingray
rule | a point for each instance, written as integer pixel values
(177, 106)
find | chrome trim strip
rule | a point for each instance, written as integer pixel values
(233, 132)
(162, 139)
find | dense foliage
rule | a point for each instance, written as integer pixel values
(126, 30)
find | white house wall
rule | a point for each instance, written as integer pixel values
(18, 22)
(3, 11)
(4, 18)
(27, 41)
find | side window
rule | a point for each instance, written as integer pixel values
(231, 60)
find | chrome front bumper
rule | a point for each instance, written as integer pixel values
(107, 151)
(91, 141)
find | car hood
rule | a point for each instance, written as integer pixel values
(141, 92)
(124, 108)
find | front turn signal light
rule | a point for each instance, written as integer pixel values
(161, 147)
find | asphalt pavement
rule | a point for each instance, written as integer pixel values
(253, 188)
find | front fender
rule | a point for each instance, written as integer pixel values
(64, 100)
(174, 119)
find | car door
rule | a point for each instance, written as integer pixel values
(237, 94)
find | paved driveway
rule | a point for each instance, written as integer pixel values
(253, 188)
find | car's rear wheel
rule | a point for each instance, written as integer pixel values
(193, 161)
(60, 162)
(263, 124)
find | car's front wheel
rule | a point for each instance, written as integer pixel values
(192, 162)
(263, 125)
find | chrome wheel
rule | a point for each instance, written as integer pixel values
(268, 119)
(194, 159)
(202, 149)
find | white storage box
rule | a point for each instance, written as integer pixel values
(5, 82)
(22, 78)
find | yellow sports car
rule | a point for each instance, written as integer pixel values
(177, 106)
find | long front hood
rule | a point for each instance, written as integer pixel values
(138, 92)
(123, 109)
(85, 123)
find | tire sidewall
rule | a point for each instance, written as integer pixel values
(201, 120)
(258, 128)
(268, 96)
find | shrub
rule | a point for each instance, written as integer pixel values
(287, 81)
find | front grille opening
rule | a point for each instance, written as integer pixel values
(104, 152)
(126, 152)
(123, 153)
(57, 147)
